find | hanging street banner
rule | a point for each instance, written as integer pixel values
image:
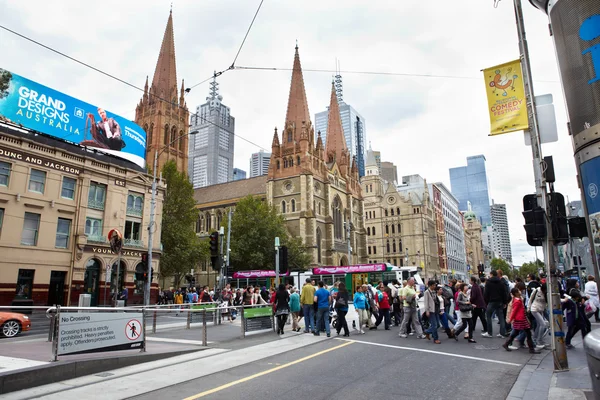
(590, 177)
(93, 332)
(39, 108)
(506, 98)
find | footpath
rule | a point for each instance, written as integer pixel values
(538, 380)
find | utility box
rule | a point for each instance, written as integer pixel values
(85, 300)
(591, 345)
(120, 303)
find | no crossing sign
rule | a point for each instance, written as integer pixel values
(133, 330)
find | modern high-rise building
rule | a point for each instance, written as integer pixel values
(389, 172)
(238, 174)
(500, 235)
(211, 149)
(353, 124)
(259, 164)
(470, 184)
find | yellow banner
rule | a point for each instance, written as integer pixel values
(506, 98)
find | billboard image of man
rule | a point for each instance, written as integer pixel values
(107, 131)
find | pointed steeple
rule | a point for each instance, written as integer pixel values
(297, 110)
(335, 145)
(165, 74)
(275, 139)
(145, 98)
(182, 94)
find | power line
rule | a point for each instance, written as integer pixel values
(247, 32)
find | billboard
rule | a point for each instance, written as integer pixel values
(506, 98)
(48, 111)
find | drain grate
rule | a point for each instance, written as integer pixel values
(481, 347)
(104, 374)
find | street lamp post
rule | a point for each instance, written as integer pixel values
(152, 212)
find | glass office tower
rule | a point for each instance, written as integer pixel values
(470, 184)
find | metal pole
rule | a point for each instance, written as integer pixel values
(151, 230)
(221, 264)
(143, 349)
(118, 272)
(559, 351)
(276, 261)
(56, 330)
(349, 243)
(228, 240)
(204, 335)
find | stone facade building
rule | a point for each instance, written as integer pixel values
(58, 202)
(473, 242)
(315, 186)
(400, 224)
(162, 111)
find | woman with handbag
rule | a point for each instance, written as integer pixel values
(519, 323)
(281, 304)
(465, 310)
(342, 299)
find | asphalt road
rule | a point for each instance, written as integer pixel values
(378, 363)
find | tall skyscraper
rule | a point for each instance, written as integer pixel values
(162, 111)
(259, 164)
(500, 236)
(353, 124)
(389, 172)
(211, 149)
(238, 174)
(470, 184)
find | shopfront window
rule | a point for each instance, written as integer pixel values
(25, 284)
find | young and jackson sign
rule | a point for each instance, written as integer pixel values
(41, 161)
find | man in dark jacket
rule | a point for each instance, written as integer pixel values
(496, 298)
(479, 306)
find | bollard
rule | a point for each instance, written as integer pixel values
(143, 349)
(189, 318)
(204, 334)
(55, 338)
(591, 344)
(242, 324)
(153, 322)
(51, 330)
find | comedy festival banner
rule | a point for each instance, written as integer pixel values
(53, 113)
(506, 98)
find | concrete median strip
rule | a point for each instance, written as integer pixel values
(135, 380)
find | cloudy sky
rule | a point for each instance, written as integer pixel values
(424, 125)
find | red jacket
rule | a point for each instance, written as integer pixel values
(384, 303)
(518, 310)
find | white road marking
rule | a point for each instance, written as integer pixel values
(182, 341)
(433, 352)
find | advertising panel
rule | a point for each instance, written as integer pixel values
(48, 111)
(506, 98)
(93, 332)
(590, 179)
(349, 269)
(257, 274)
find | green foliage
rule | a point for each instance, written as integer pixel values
(254, 226)
(530, 268)
(5, 78)
(182, 249)
(498, 263)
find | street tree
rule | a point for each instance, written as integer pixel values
(500, 264)
(5, 77)
(182, 249)
(530, 268)
(254, 226)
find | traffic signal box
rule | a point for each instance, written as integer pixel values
(558, 216)
(214, 251)
(141, 271)
(283, 258)
(535, 220)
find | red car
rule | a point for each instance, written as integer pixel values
(11, 324)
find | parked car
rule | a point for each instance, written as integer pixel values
(11, 324)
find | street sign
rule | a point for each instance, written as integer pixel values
(94, 332)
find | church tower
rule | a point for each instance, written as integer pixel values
(162, 111)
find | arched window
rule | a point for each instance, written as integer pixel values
(290, 136)
(387, 246)
(319, 245)
(392, 212)
(386, 212)
(199, 224)
(208, 225)
(387, 230)
(285, 163)
(400, 245)
(219, 219)
(173, 136)
(291, 162)
(319, 208)
(373, 231)
(394, 246)
(337, 218)
(283, 210)
(399, 230)
(166, 138)
(278, 164)
(149, 134)
(368, 231)
(393, 229)
(293, 205)
(298, 160)
(181, 139)
(398, 210)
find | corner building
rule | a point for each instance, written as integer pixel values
(58, 202)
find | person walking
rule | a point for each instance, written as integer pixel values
(575, 315)
(360, 305)
(465, 308)
(342, 299)
(323, 301)
(307, 301)
(443, 315)
(295, 309)
(432, 311)
(383, 301)
(496, 297)
(408, 295)
(519, 322)
(478, 303)
(537, 307)
(591, 291)
(282, 307)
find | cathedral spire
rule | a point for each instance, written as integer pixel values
(297, 110)
(335, 145)
(165, 74)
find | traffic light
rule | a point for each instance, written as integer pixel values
(577, 227)
(141, 271)
(535, 220)
(283, 258)
(214, 251)
(558, 216)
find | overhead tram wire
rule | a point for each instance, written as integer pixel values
(125, 82)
